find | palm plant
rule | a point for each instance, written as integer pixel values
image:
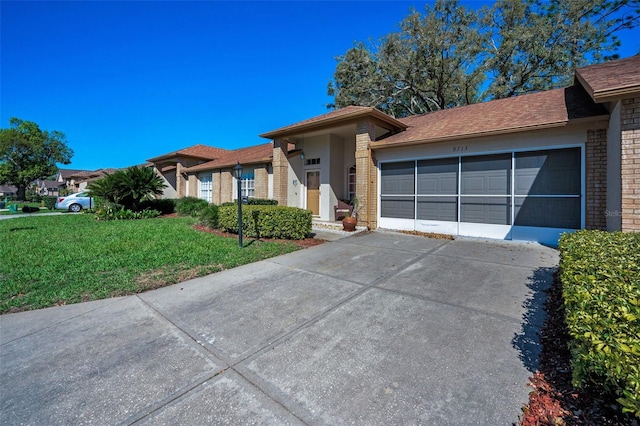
(129, 187)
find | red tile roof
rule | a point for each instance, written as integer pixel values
(198, 151)
(552, 108)
(333, 118)
(611, 80)
(250, 155)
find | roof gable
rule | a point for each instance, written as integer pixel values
(197, 151)
(335, 118)
(611, 80)
(249, 155)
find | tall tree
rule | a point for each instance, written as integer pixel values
(537, 45)
(428, 65)
(441, 59)
(28, 153)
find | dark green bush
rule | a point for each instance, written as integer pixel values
(190, 206)
(209, 216)
(49, 202)
(267, 221)
(116, 212)
(600, 274)
(229, 203)
(163, 205)
(262, 202)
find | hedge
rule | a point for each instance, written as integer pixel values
(190, 206)
(266, 221)
(600, 274)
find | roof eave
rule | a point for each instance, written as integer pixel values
(381, 117)
(448, 138)
(200, 167)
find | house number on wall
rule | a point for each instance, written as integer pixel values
(459, 148)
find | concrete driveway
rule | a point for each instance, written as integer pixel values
(379, 328)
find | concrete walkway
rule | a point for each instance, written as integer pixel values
(378, 328)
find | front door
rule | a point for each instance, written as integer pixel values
(313, 192)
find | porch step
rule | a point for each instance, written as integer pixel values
(321, 225)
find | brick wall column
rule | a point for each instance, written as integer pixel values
(193, 185)
(180, 182)
(280, 171)
(630, 163)
(365, 175)
(226, 186)
(596, 179)
(215, 187)
(261, 181)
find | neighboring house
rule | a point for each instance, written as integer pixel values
(526, 168)
(48, 187)
(8, 190)
(65, 178)
(79, 181)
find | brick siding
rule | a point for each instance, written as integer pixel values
(226, 186)
(630, 163)
(365, 133)
(261, 181)
(596, 179)
(280, 171)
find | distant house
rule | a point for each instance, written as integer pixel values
(8, 190)
(48, 187)
(524, 168)
(80, 179)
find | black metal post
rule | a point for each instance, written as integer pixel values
(239, 214)
(237, 172)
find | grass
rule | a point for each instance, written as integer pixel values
(56, 260)
(22, 204)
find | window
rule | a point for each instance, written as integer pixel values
(311, 161)
(248, 185)
(205, 188)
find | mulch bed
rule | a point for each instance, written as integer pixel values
(554, 401)
(307, 242)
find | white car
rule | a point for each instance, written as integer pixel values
(75, 202)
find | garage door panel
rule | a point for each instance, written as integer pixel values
(397, 207)
(491, 210)
(551, 172)
(438, 176)
(486, 175)
(438, 208)
(548, 212)
(397, 178)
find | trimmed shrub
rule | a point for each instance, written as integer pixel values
(49, 202)
(262, 202)
(163, 205)
(600, 274)
(190, 206)
(228, 203)
(267, 221)
(209, 216)
(115, 212)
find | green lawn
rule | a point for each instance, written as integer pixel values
(54, 260)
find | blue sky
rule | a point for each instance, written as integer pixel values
(127, 81)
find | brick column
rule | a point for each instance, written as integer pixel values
(261, 181)
(226, 186)
(180, 182)
(280, 171)
(215, 187)
(365, 179)
(193, 185)
(596, 179)
(630, 163)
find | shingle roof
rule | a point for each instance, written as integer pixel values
(551, 108)
(333, 118)
(250, 155)
(199, 151)
(68, 172)
(611, 80)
